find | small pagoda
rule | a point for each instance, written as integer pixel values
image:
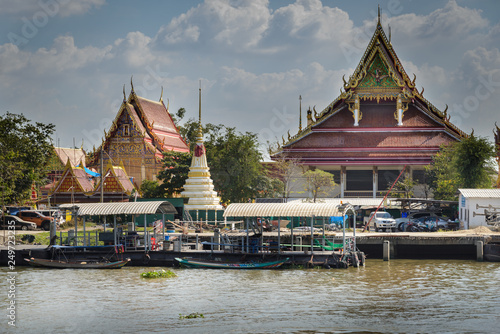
(199, 186)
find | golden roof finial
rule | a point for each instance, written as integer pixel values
(389, 34)
(161, 96)
(131, 83)
(300, 113)
(200, 131)
(124, 95)
(378, 14)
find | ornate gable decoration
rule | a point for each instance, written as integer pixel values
(379, 76)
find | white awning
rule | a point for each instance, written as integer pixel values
(130, 208)
(286, 210)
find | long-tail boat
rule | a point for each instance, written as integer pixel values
(193, 263)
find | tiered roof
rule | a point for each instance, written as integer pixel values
(76, 185)
(116, 180)
(74, 155)
(373, 94)
(152, 121)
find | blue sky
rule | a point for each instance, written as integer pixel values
(65, 62)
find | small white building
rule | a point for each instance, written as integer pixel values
(473, 203)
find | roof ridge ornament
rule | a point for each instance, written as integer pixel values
(379, 15)
(300, 113)
(124, 95)
(161, 95)
(132, 84)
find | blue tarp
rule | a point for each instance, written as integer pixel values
(88, 171)
(337, 219)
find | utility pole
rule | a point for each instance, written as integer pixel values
(102, 177)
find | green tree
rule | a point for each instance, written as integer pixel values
(441, 175)
(269, 187)
(318, 182)
(152, 189)
(473, 162)
(25, 149)
(175, 173)
(465, 164)
(234, 161)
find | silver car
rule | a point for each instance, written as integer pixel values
(17, 223)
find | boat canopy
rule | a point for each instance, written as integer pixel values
(287, 210)
(131, 208)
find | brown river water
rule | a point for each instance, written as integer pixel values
(400, 296)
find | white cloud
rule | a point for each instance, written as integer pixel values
(309, 19)
(64, 55)
(11, 58)
(63, 8)
(235, 24)
(135, 49)
(447, 22)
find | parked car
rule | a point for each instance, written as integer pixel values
(55, 213)
(18, 223)
(36, 217)
(381, 220)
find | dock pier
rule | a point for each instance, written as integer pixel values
(387, 246)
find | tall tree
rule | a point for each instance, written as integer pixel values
(175, 173)
(465, 164)
(474, 162)
(25, 149)
(152, 189)
(318, 182)
(234, 160)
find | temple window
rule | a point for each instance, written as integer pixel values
(126, 130)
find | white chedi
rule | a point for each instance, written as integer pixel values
(199, 186)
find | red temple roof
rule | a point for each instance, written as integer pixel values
(379, 118)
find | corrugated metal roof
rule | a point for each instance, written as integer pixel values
(480, 193)
(353, 201)
(131, 208)
(284, 210)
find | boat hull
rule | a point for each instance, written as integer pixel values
(190, 263)
(76, 264)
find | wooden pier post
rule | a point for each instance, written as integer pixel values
(387, 250)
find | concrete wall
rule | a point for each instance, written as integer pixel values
(469, 215)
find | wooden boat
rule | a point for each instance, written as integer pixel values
(192, 263)
(77, 264)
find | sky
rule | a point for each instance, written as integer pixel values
(65, 62)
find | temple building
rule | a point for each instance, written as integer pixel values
(199, 186)
(378, 125)
(140, 133)
(78, 184)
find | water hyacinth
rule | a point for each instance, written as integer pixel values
(159, 274)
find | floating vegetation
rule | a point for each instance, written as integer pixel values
(159, 274)
(191, 316)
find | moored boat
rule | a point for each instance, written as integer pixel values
(77, 264)
(193, 263)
